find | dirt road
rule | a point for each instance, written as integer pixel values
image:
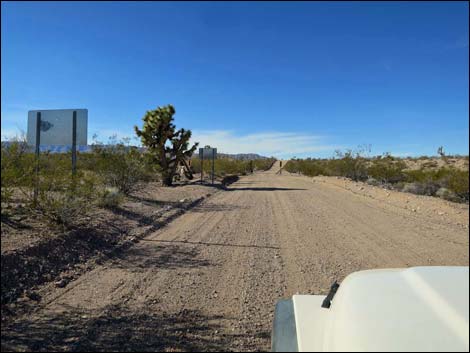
(210, 279)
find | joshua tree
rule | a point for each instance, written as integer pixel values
(440, 151)
(168, 146)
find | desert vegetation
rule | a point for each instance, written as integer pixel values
(106, 175)
(231, 166)
(57, 195)
(439, 177)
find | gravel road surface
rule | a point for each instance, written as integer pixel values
(210, 279)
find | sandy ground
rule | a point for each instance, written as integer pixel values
(210, 279)
(151, 198)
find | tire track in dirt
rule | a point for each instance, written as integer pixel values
(209, 280)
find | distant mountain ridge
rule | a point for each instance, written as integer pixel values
(242, 156)
(89, 148)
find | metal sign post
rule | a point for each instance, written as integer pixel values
(53, 128)
(213, 158)
(206, 153)
(38, 141)
(74, 143)
(202, 165)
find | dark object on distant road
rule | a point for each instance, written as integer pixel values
(229, 179)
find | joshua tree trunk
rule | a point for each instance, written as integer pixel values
(167, 179)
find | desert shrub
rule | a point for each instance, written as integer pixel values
(411, 188)
(458, 182)
(387, 169)
(17, 167)
(372, 181)
(309, 167)
(455, 180)
(399, 186)
(426, 182)
(225, 166)
(120, 166)
(389, 172)
(349, 164)
(429, 165)
(418, 175)
(428, 188)
(63, 199)
(292, 166)
(110, 198)
(263, 164)
(446, 194)
(230, 166)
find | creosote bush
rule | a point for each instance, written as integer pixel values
(387, 169)
(17, 166)
(121, 166)
(230, 166)
(110, 198)
(62, 198)
(446, 182)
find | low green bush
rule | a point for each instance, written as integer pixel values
(307, 167)
(110, 198)
(263, 164)
(389, 172)
(230, 166)
(17, 168)
(62, 198)
(349, 164)
(120, 166)
(453, 179)
(458, 182)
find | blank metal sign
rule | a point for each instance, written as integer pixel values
(56, 126)
(208, 153)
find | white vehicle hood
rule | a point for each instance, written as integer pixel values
(416, 309)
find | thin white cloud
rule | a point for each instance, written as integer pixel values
(272, 143)
(278, 144)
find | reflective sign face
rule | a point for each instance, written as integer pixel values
(208, 153)
(56, 127)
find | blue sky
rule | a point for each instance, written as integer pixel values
(277, 78)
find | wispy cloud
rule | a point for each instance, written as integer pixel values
(271, 143)
(278, 144)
